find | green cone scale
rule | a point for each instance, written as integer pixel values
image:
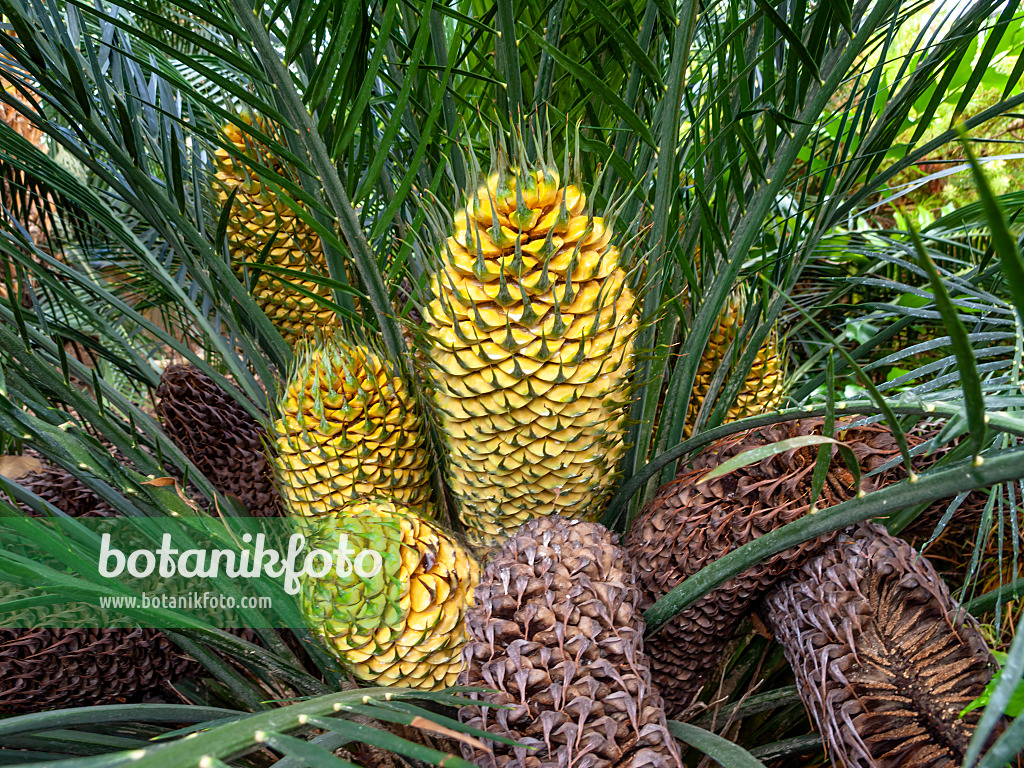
(403, 626)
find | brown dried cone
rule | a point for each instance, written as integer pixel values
(69, 666)
(558, 632)
(962, 524)
(65, 491)
(688, 524)
(884, 659)
(66, 667)
(219, 436)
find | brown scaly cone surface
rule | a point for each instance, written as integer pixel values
(557, 631)
(65, 492)
(884, 659)
(219, 436)
(688, 525)
(69, 666)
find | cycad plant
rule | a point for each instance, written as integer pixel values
(230, 179)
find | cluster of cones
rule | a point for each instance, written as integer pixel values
(557, 627)
(885, 660)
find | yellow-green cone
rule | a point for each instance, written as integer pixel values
(349, 429)
(404, 626)
(529, 331)
(257, 219)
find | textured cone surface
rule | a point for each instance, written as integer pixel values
(219, 436)
(260, 222)
(557, 631)
(762, 391)
(68, 667)
(529, 333)
(404, 626)
(884, 659)
(349, 429)
(964, 521)
(689, 524)
(62, 489)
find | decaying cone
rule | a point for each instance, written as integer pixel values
(557, 631)
(64, 491)
(56, 668)
(689, 524)
(68, 666)
(529, 328)
(259, 224)
(885, 660)
(219, 436)
(964, 521)
(349, 429)
(404, 626)
(762, 390)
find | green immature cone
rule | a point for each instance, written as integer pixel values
(349, 429)
(404, 625)
(529, 330)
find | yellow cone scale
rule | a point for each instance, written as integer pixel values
(763, 389)
(261, 223)
(529, 333)
(349, 429)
